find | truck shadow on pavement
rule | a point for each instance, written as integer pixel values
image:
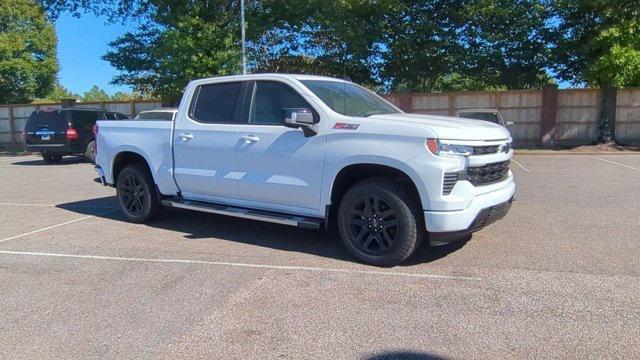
(405, 355)
(197, 226)
(67, 160)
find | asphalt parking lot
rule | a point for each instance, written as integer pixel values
(557, 278)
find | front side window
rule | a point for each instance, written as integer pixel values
(272, 100)
(216, 103)
(349, 99)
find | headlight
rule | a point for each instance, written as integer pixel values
(438, 148)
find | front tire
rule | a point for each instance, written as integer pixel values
(51, 158)
(137, 195)
(379, 222)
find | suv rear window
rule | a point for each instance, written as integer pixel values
(56, 120)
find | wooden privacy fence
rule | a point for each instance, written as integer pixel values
(14, 117)
(548, 117)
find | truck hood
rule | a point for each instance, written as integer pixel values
(449, 127)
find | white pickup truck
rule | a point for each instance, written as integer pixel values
(306, 151)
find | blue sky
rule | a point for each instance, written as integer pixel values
(81, 44)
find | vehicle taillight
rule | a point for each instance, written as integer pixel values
(95, 130)
(72, 134)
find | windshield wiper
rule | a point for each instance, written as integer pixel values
(371, 113)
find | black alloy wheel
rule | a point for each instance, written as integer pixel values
(137, 194)
(373, 225)
(380, 221)
(132, 194)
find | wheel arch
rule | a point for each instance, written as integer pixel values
(352, 173)
(125, 158)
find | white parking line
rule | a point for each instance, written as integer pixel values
(522, 167)
(57, 225)
(57, 205)
(613, 162)
(245, 265)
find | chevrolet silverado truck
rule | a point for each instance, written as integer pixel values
(311, 151)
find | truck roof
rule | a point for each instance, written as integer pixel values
(267, 76)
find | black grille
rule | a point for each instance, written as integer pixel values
(488, 174)
(449, 182)
(483, 150)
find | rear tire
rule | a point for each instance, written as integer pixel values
(90, 152)
(137, 194)
(52, 158)
(379, 222)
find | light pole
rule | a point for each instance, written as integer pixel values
(244, 55)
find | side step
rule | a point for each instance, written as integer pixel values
(268, 216)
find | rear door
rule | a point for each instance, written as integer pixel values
(205, 142)
(47, 128)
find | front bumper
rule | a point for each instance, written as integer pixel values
(483, 210)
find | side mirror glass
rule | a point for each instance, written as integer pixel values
(299, 117)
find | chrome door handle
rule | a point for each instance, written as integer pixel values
(185, 136)
(250, 138)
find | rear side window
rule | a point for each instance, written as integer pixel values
(85, 117)
(53, 119)
(216, 103)
(155, 116)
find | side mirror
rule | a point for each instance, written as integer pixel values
(300, 118)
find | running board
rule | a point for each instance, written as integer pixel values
(260, 215)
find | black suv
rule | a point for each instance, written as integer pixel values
(55, 132)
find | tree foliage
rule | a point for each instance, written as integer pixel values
(28, 63)
(597, 41)
(60, 92)
(386, 44)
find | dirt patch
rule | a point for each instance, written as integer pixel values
(603, 148)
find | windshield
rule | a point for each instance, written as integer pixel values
(349, 99)
(486, 116)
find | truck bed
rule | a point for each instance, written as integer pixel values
(151, 138)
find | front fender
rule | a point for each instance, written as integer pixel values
(332, 170)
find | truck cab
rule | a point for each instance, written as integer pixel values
(309, 151)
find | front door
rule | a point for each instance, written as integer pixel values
(277, 164)
(205, 143)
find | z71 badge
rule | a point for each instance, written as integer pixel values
(346, 126)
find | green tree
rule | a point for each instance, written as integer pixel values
(28, 63)
(183, 41)
(598, 44)
(466, 44)
(95, 94)
(60, 92)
